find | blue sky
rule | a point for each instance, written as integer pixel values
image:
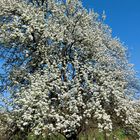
(123, 16)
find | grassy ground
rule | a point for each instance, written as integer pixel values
(90, 135)
(95, 135)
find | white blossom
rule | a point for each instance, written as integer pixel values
(85, 76)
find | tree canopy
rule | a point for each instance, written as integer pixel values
(64, 69)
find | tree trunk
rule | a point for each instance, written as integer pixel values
(72, 137)
(105, 136)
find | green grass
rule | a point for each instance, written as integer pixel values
(116, 135)
(88, 135)
(91, 134)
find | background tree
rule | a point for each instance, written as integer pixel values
(64, 69)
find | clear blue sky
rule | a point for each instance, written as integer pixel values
(123, 16)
